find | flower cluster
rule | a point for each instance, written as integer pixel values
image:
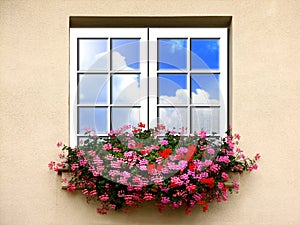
(134, 164)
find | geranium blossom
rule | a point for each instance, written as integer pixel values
(133, 165)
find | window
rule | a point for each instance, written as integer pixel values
(172, 76)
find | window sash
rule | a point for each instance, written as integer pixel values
(149, 71)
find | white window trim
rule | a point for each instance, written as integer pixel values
(151, 58)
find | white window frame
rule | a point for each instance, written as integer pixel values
(148, 71)
(103, 33)
(188, 33)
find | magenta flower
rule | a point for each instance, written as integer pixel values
(257, 156)
(255, 166)
(165, 200)
(224, 176)
(51, 165)
(163, 142)
(210, 150)
(235, 185)
(59, 143)
(237, 136)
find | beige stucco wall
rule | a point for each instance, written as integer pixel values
(34, 57)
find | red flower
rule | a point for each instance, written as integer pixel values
(205, 208)
(144, 151)
(136, 130)
(209, 181)
(201, 202)
(192, 167)
(166, 153)
(141, 125)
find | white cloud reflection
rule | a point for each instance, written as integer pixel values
(126, 90)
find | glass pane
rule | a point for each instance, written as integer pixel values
(93, 119)
(93, 54)
(205, 89)
(205, 119)
(172, 89)
(125, 54)
(173, 118)
(124, 116)
(126, 89)
(205, 54)
(92, 89)
(172, 54)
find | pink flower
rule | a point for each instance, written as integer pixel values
(83, 162)
(237, 136)
(235, 185)
(148, 197)
(165, 200)
(107, 147)
(85, 192)
(80, 153)
(224, 176)
(210, 150)
(93, 193)
(59, 144)
(202, 134)
(257, 156)
(71, 187)
(51, 165)
(64, 180)
(220, 185)
(191, 188)
(74, 166)
(255, 166)
(207, 162)
(104, 198)
(163, 142)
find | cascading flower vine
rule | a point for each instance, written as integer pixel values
(133, 165)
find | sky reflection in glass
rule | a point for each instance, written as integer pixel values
(205, 88)
(204, 54)
(93, 54)
(172, 54)
(123, 116)
(93, 118)
(129, 54)
(92, 89)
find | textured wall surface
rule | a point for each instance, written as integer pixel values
(34, 80)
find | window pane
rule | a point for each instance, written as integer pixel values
(126, 89)
(92, 118)
(92, 89)
(205, 89)
(204, 54)
(172, 89)
(205, 119)
(93, 54)
(121, 116)
(172, 54)
(125, 54)
(173, 118)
